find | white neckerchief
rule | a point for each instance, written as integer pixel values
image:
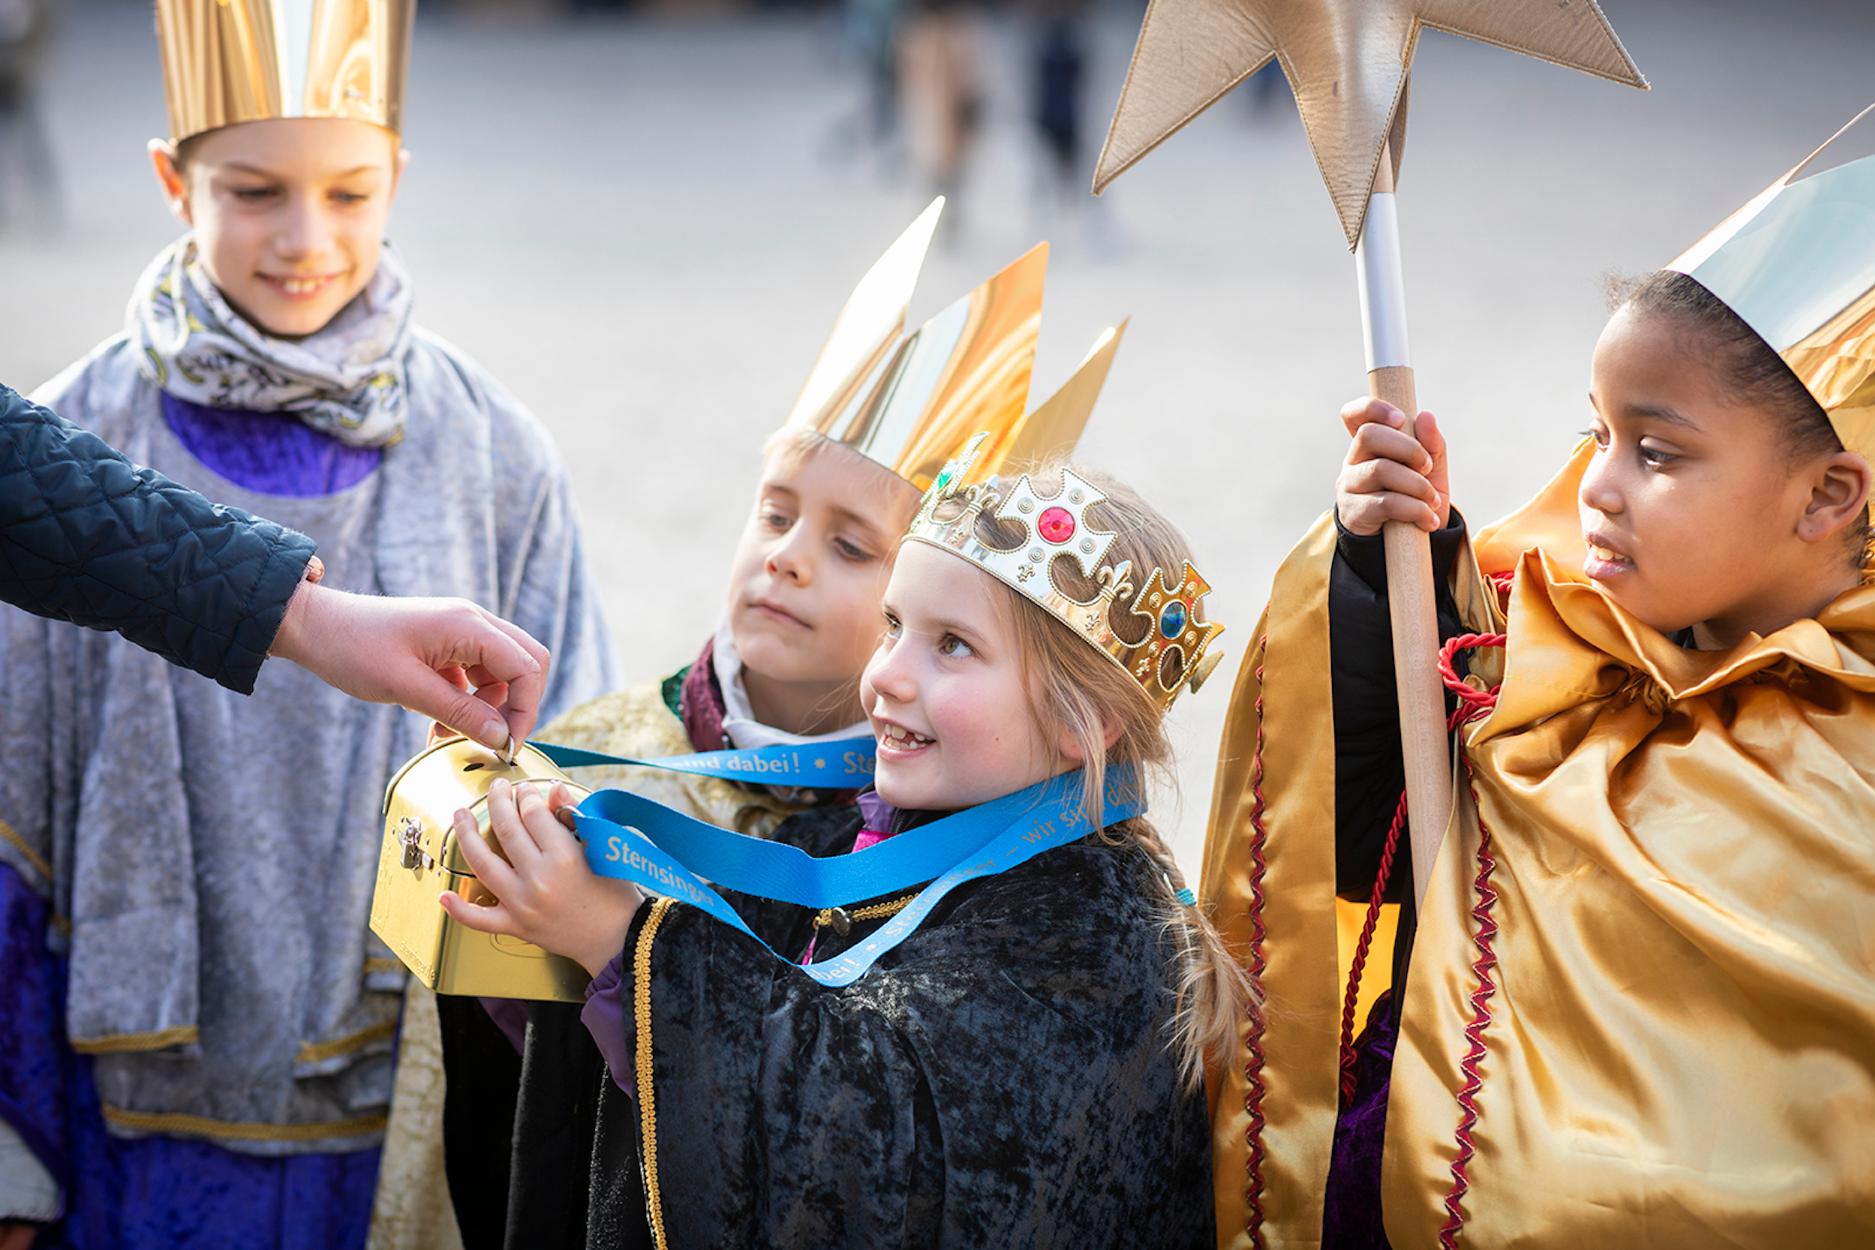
(739, 723)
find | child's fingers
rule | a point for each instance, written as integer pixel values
(496, 919)
(1370, 411)
(548, 833)
(1378, 477)
(1365, 514)
(1431, 437)
(1380, 442)
(511, 832)
(489, 867)
(563, 802)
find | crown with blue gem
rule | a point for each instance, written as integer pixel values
(1171, 655)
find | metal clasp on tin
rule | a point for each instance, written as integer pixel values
(410, 837)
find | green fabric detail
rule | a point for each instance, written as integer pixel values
(673, 691)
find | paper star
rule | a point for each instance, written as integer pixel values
(1347, 62)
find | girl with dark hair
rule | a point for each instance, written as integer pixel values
(1634, 1006)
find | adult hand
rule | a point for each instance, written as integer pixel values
(425, 654)
(1391, 475)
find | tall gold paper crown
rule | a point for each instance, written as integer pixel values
(1171, 655)
(908, 401)
(1797, 264)
(231, 61)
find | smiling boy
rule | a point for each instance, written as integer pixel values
(199, 1023)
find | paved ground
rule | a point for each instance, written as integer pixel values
(637, 226)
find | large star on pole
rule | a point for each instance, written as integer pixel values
(1347, 62)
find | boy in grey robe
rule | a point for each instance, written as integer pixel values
(204, 1026)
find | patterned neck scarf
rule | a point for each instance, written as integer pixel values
(346, 381)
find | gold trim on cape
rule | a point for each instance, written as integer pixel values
(319, 1052)
(33, 858)
(126, 1043)
(645, 1064)
(180, 1125)
(1282, 687)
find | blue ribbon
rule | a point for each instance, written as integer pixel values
(844, 764)
(672, 854)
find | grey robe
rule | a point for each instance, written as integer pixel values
(211, 858)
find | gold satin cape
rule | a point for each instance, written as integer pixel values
(1642, 1006)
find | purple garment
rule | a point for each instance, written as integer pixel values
(510, 1016)
(1351, 1217)
(875, 814)
(150, 1193)
(700, 703)
(270, 453)
(604, 1018)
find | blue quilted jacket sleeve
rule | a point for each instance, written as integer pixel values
(87, 536)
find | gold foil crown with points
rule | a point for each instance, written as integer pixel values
(232, 61)
(1797, 264)
(1172, 649)
(908, 401)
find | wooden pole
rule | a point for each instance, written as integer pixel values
(1411, 600)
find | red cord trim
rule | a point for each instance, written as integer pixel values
(1253, 1063)
(1484, 967)
(1473, 703)
(1350, 999)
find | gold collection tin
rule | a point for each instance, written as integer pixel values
(420, 858)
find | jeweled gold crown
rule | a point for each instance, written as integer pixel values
(1171, 655)
(231, 61)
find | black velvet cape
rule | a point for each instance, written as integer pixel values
(1002, 1078)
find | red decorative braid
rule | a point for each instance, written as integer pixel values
(1484, 967)
(1351, 998)
(1501, 583)
(1253, 1043)
(1473, 704)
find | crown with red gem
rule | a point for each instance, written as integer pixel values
(1173, 653)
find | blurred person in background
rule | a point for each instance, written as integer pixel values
(940, 93)
(198, 1023)
(28, 175)
(1269, 89)
(868, 33)
(1058, 65)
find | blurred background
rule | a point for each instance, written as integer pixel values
(643, 217)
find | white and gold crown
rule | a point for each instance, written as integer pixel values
(1173, 652)
(232, 61)
(1797, 264)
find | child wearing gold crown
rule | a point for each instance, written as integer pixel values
(198, 1025)
(1637, 1002)
(840, 481)
(1003, 1051)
